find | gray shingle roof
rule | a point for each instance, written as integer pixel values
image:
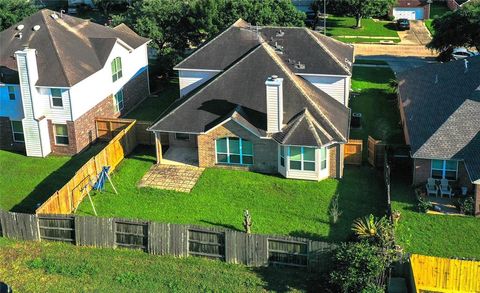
(319, 54)
(69, 49)
(243, 84)
(442, 111)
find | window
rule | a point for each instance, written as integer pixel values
(182, 136)
(302, 158)
(118, 101)
(444, 169)
(234, 150)
(116, 68)
(17, 130)
(323, 158)
(61, 134)
(11, 92)
(282, 156)
(56, 97)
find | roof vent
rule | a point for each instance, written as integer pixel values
(299, 65)
(280, 34)
(36, 28)
(348, 62)
(54, 16)
(291, 61)
(19, 35)
(20, 27)
(273, 77)
(278, 48)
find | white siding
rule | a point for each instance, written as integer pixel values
(336, 86)
(190, 79)
(95, 88)
(274, 96)
(11, 108)
(43, 106)
(44, 136)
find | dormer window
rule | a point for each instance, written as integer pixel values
(116, 69)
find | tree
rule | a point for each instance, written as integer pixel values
(104, 5)
(357, 267)
(460, 28)
(364, 8)
(13, 11)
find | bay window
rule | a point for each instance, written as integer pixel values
(234, 150)
(444, 169)
(302, 158)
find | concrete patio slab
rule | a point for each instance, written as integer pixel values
(181, 156)
(180, 178)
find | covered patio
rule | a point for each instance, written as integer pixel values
(180, 156)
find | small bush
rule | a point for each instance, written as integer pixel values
(423, 204)
(334, 211)
(468, 206)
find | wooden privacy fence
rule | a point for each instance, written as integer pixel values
(376, 152)
(353, 152)
(67, 198)
(435, 274)
(169, 239)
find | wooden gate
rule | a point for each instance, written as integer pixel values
(376, 152)
(353, 152)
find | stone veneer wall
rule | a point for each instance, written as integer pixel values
(6, 136)
(265, 151)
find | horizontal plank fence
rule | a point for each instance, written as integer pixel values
(436, 274)
(68, 198)
(169, 239)
(353, 152)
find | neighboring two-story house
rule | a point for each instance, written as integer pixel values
(440, 110)
(267, 99)
(58, 73)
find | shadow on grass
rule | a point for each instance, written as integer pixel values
(285, 279)
(227, 226)
(56, 180)
(391, 26)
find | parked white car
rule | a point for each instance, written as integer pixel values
(462, 53)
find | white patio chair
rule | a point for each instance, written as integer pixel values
(432, 187)
(445, 188)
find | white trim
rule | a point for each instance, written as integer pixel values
(191, 69)
(317, 74)
(125, 45)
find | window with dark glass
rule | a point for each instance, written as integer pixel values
(444, 169)
(56, 96)
(234, 150)
(17, 130)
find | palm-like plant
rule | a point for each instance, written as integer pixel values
(368, 227)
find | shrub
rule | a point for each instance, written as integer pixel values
(468, 206)
(357, 267)
(424, 204)
(334, 211)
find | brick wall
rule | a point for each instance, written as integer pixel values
(336, 157)
(463, 177)
(421, 171)
(135, 91)
(82, 131)
(6, 136)
(265, 151)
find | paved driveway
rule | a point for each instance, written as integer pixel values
(418, 34)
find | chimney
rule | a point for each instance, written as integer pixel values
(274, 95)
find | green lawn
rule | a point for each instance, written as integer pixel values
(436, 10)
(374, 98)
(344, 26)
(58, 267)
(437, 235)
(27, 181)
(151, 108)
(278, 206)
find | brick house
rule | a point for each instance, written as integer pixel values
(411, 9)
(57, 73)
(266, 99)
(440, 110)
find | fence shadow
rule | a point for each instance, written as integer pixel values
(283, 279)
(56, 180)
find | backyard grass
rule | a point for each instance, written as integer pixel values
(58, 267)
(437, 235)
(151, 108)
(374, 98)
(278, 206)
(344, 26)
(28, 181)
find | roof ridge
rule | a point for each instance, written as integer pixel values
(312, 126)
(293, 77)
(295, 125)
(50, 36)
(317, 125)
(233, 25)
(204, 87)
(327, 50)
